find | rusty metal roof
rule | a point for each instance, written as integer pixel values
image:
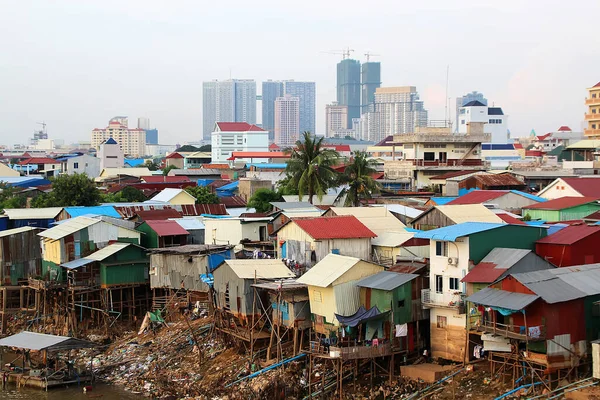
(166, 228)
(338, 227)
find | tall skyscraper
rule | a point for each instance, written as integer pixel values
(305, 92)
(397, 110)
(271, 90)
(467, 98)
(233, 100)
(143, 123)
(370, 81)
(287, 120)
(348, 87)
(336, 118)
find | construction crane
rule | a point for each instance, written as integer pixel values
(369, 54)
(43, 124)
(345, 53)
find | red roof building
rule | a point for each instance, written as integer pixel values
(478, 197)
(258, 154)
(174, 155)
(509, 219)
(238, 127)
(274, 147)
(562, 203)
(39, 160)
(572, 245)
(153, 215)
(564, 128)
(164, 179)
(503, 199)
(338, 227)
(166, 233)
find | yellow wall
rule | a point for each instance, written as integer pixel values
(361, 269)
(325, 307)
(292, 232)
(182, 198)
(52, 251)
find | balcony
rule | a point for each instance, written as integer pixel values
(581, 164)
(351, 352)
(592, 101)
(449, 300)
(591, 132)
(517, 332)
(592, 117)
(442, 138)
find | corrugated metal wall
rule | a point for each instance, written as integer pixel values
(169, 270)
(347, 298)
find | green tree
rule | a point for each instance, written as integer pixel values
(202, 195)
(128, 194)
(9, 197)
(70, 190)
(151, 165)
(206, 147)
(310, 167)
(358, 178)
(284, 188)
(261, 198)
(168, 169)
(188, 148)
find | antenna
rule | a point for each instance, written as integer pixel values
(446, 100)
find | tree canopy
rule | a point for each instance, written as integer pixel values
(261, 198)
(128, 194)
(188, 147)
(9, 197)
(310, 167)
(203, 195)
(70, 190)
(359, 180)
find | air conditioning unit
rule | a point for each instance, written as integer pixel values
(452, 261)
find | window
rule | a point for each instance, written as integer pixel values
(400, 303)
(593, 95)
(76, 165)
(441, 249)
(593, 126)
(439, 284)
(429, 156)
(317, 296)
(111, 156)
(442, 322)
(454, 284)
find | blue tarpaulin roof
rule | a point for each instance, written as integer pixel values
(229, 187)
(267, 165)
(529, 196)
(77, 263)
(440, 201)
(108, 211)
(134, 162)
(453, 232)
(360, 316)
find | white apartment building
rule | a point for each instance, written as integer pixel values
(110, 155)
(336, 118)
(287, 120)
(496, 123)
(132, 141)
(82, 164)
(228, 137)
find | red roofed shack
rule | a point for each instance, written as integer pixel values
(158, 234)
(572, 245)
(308, 240)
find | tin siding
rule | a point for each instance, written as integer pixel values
(347, 298)
(169, 270)
(511, 236)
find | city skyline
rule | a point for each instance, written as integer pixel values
(48, 74)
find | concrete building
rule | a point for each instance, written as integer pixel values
(143, 123)
(233, 100)
(467, 98)
(287, 120)
(396, 110)
(228, 137)
(496, 123)
(434, 151)
(336, 118)
(110, 155)
(132, 141)
(81, 164)
(271, 90)
(348, 87)
(370, 82)
(592, 116)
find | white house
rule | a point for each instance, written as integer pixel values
(82, 164)
(496, 123)
(110, 154)
(588, 186)
(228, 137)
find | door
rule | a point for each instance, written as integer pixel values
(443, 157)
(284, 250)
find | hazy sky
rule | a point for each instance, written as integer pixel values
(77, 63)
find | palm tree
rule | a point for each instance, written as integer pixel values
(358, 177)
(310, 167)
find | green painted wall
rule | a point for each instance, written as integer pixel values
(128, 266)
(563, 215)
(388, 300)
(149, 237)
(56, 273)
(513, 236)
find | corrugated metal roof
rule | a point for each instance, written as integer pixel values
(68, 227)
(479, 196)
(501, 298)
(338, 227)
(259, 268)
(166, 227)
(41, 341)
(284, 205)
(80, 262)
(440, 201)
(16, 231)
(168, 194)
(469, 213)
(108, 251)
(296, 213)
(484, 272)
(32, 213)
(377, 219)
(189, 224)
(563, 284)
(162, 214)
(585, 144)
(326, 271)
(453, 232)
(401, 209)
(391, 239)
(505, 258)
(108, 211)
(386, 280)
(570, 234)
(529, 196)
(561, 203)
